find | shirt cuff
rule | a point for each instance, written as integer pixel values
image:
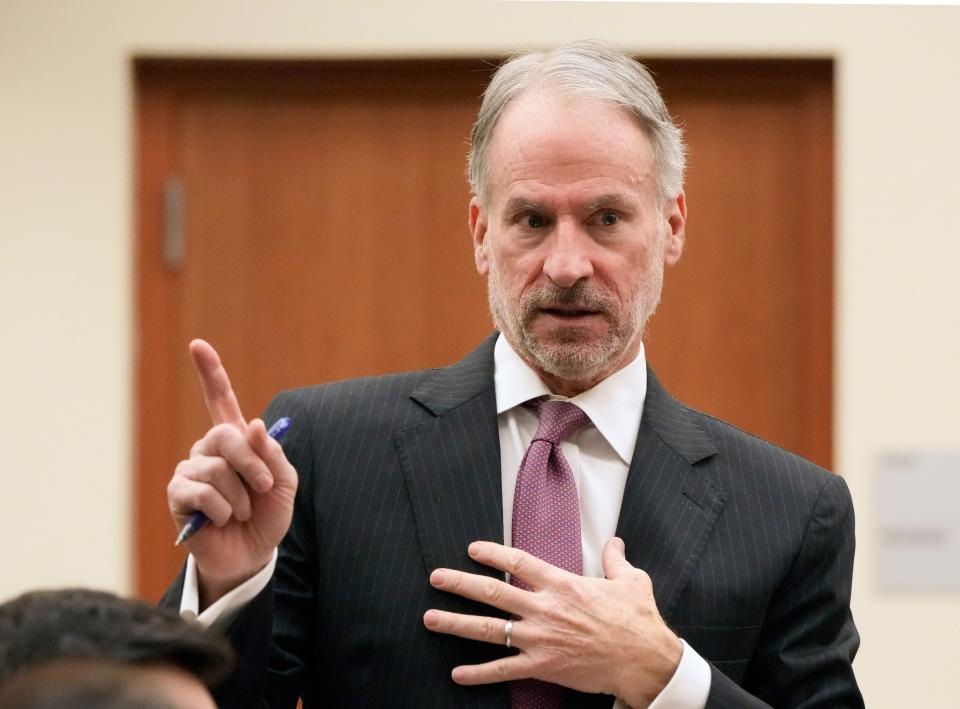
(689, 686)
(687, 689)
(226, 608)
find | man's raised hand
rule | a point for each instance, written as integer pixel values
(239, 478)
(594, 635)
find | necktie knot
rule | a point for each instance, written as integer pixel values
(558, 420)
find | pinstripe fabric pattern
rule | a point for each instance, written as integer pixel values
(750, 549)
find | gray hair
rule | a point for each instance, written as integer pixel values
(589, 69)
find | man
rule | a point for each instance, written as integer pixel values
(94, 643)
(606, 545)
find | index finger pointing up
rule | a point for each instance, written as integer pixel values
(221, 402)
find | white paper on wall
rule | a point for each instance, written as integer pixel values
(918, 500)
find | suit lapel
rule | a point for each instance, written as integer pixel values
(451, 463)
(669, 507)
(451, 466)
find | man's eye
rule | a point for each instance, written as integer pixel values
(609, 218)
(536, 221)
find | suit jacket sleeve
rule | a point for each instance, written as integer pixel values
(805, 650)
(292, 612)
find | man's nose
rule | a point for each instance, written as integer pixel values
(568, 257)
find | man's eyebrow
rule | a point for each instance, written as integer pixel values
(516, 205)
(613, 199)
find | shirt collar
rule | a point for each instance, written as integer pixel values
(614, 405)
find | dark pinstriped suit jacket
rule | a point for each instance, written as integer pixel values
(750, 549)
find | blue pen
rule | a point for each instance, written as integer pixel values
(198, 519)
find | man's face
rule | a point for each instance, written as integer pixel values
(573, 238)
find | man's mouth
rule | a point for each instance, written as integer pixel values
(568, 312)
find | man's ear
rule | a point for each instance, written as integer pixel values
(477, 221)
(675, 215)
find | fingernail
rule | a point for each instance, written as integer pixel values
(474, 549)
(264, 483)
(620, 545)
(431, 618)
(438, 577)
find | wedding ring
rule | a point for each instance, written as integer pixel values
(507, 630)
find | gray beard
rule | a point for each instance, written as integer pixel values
(571, 357)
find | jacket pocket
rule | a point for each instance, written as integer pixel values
(721, 644)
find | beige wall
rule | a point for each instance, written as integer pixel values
(65, 246)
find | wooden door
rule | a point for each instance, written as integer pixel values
(745, 330)
(325, 237)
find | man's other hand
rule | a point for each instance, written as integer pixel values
(239, 478)
(593, 635)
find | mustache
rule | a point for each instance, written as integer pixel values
(582, 295)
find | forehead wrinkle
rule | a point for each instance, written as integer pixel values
(569, 150)
(572, 178)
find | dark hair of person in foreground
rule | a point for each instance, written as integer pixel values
(79, 624)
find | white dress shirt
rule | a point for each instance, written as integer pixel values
(599, 456)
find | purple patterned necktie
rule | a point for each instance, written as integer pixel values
(546, 520)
